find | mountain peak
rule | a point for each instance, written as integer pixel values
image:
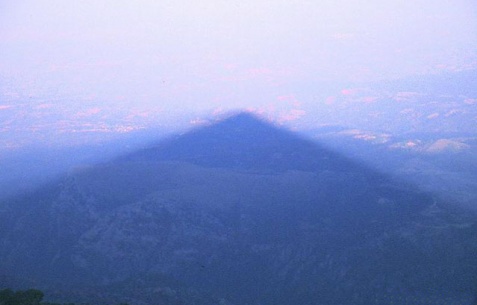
(241, 122)
(242, 116)
(245, 141)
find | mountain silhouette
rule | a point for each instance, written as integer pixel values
(244, 141)
(238, 212)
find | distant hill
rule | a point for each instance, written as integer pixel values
(238, 212)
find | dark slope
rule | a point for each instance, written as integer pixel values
(245, 142)
(242, 212)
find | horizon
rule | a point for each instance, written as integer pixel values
(104, 68)
(219, 152)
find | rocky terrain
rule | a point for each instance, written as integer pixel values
(239, 212)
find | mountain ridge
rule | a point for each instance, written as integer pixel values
(320, 228)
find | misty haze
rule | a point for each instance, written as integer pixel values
(238, 153)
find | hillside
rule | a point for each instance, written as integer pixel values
(240, 212)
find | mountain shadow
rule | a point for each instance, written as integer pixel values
(245, 142)
(239, 212)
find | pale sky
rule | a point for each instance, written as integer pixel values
(65, 60)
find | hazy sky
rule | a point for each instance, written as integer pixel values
(67, 60)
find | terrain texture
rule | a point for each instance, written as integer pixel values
(239, 212)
